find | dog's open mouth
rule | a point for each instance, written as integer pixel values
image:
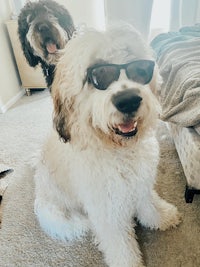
(51, 47)
(127, 129)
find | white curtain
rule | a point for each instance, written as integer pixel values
(184, 13)
(138, 12)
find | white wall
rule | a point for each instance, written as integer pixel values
(9, 80)
(136, 12)
(90, 12)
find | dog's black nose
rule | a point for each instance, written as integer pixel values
(43, 27)
(127, 101)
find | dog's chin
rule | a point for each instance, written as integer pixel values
(127, 129)
(51, 47)
(53, 57)
(51, 50)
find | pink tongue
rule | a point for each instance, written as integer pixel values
(126, 127)
(51, 48)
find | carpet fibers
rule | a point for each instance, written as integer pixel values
(23, 243)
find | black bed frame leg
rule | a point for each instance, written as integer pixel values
(189, 193)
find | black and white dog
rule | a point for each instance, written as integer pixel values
(44, 28)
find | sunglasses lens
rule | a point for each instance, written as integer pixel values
(140, 71)
(103, 76)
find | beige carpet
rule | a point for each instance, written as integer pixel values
(23, 244)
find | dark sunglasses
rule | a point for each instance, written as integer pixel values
(102, 75)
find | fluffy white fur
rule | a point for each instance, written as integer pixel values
(99, 180)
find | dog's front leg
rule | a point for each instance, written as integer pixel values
(116, 240)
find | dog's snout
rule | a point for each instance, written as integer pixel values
(127, 101)
(43, 27)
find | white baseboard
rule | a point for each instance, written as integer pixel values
(12, 101)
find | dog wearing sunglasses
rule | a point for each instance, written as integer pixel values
(98, 167)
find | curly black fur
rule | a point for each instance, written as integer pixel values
(43, 9)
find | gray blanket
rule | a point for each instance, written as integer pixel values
(178, 57)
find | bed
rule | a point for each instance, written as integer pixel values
(178, 57)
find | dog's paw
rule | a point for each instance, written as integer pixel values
(170, 217)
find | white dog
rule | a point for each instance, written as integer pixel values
(103, 174)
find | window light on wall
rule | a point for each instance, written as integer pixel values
(160, 17)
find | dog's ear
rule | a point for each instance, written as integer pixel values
(22, 32)
(65, 20)
(32, 59)
(60, 118)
